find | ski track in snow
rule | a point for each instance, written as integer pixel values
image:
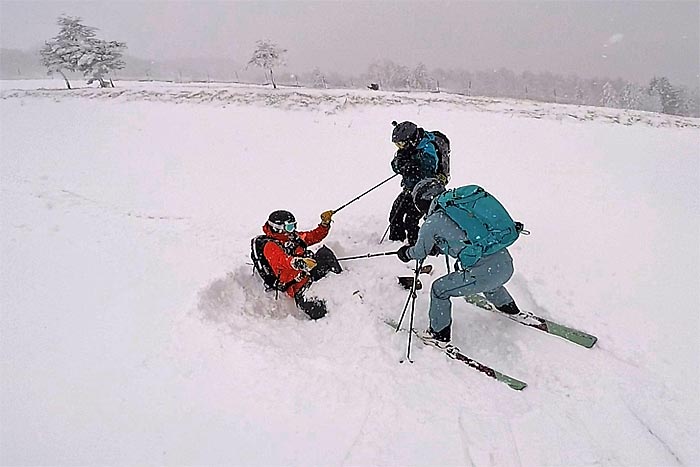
(663, 443)
(140, 249)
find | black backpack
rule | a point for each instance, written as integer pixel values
(262, 266)
(442, 144)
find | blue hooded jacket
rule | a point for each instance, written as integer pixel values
(440, 230)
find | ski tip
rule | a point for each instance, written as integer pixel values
(581, 338)
(511, 382)
(518, 387)
(593, 341)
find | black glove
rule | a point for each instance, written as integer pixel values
(404, 164)
(403, 253)
(435, 251)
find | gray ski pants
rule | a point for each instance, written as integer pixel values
(486, 276)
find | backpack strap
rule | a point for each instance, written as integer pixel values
(442, 148)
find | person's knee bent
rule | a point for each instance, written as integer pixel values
(438, 292)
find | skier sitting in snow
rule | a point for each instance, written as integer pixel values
(486, 274)
(285, 263)
(415, 160)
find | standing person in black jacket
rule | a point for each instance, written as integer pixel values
(416, 159)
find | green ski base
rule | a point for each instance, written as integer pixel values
(529, 319)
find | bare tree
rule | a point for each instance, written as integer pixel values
(267, 56)
(388, 74)
(609, 98)
(630, 98)
(419, 77)
(318, 78)
(671, 96)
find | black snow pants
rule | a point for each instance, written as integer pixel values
(403, 219)
(326, 262)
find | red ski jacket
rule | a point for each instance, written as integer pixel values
(281, 261)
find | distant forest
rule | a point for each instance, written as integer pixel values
(657, 94)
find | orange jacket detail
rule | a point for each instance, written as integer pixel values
(281, 262)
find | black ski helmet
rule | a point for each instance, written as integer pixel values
(425, 192)
(404, 132)
(282, 221)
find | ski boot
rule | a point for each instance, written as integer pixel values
(313, 307)
(509, 308)
(441, 337)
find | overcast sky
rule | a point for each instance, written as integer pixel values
(630, 39)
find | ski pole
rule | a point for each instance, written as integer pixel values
(381, 240)
(412, 298)
(385, 232)
(360, 196)
(411, 294)
(369, 255)
(410, 325)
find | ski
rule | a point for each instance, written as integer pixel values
(530, 319)
(454, 353)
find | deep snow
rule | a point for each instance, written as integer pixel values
(134, 333)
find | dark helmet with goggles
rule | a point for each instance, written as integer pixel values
(282, 221)
(404, 134)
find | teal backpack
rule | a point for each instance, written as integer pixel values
(488, 225)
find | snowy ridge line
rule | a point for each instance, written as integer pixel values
(331, 102)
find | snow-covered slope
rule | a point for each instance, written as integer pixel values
(133, 331)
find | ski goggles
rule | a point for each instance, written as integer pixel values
(288, 226)
(401, 144)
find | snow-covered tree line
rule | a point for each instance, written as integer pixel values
(76, 48)
(659, 95)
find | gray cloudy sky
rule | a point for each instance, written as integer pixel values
(629, 39)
